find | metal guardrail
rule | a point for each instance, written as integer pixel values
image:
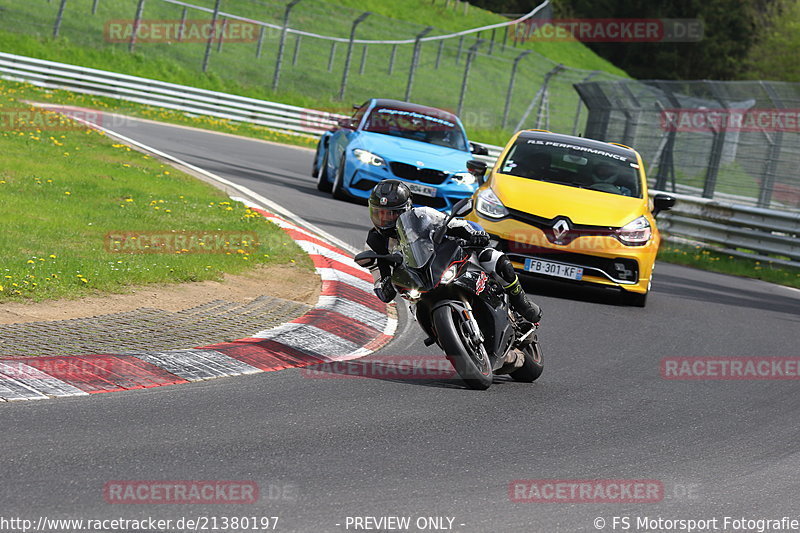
(738, 230)
(183, 98)
(729, 227)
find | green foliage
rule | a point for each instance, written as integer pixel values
(775, 56)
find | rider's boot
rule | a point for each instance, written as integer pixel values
(520, 303)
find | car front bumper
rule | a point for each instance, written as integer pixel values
(604, 260)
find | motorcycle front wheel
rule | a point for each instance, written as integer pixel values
(471, 363)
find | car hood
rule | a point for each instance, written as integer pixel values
(581, 206)
(419, 154)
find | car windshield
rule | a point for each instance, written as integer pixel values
(574, 165)
(440, 130)
(415, 234)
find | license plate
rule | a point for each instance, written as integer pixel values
(422, 189)
(553, 269)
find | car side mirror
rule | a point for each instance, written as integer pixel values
(345, 123)
(477, 168)
(462, 207)
(367, 259)
(662, 202)
(478, 149)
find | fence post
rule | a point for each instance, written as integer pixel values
(349, 55)
(491, 43)
(539, 97)
(415, 60)
(391, 59)
(222, 35)
(94, 6)
(507, 107)
(277, 76)
(439, 54)
(717, 145)
(296, 50)
(260, 45)
(460, 46)
(470, 55)
(332, 56)
(136, 22)
(580, 103)
(363, 60)
(59, 17)
(182, 28)
(771, 166)
(211, 35)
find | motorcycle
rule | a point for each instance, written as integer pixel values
(458, 305)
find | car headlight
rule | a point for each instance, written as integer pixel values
(489, 204)
(464, 178)
(636, 232)
(368, 157)
(449, 274)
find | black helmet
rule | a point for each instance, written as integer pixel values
(389, 200)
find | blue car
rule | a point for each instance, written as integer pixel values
(425, 147)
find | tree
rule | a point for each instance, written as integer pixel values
(775, 55)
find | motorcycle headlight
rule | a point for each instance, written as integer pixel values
(489, 204)
(636, 232)
(368, 157)
(464, 178)
(449, 274)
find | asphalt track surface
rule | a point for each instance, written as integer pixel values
(325, 449)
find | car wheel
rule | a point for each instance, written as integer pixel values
(338, 184)
(323, 184)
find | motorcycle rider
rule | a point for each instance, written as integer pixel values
(391, 198)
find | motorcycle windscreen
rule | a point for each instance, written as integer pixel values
(415, 230)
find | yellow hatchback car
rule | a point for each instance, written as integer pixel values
(572, 208)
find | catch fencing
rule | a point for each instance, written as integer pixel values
(734, 141)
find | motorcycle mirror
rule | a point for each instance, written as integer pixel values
(366, 259)
(462, 207)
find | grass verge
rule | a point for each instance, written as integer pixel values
(697, 257)
(73, 205)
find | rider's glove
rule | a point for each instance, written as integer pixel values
(478, 240)
(384, 290)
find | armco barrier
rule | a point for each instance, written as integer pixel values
(739, 230)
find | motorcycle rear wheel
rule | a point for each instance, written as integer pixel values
(472, 366)
(533, 366)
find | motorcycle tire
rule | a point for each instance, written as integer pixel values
(458, 353)
(533, 366)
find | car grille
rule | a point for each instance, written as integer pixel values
(424, 175)
(618, 268)
(436, 203)
(575, 230)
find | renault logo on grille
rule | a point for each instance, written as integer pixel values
(560, 229)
